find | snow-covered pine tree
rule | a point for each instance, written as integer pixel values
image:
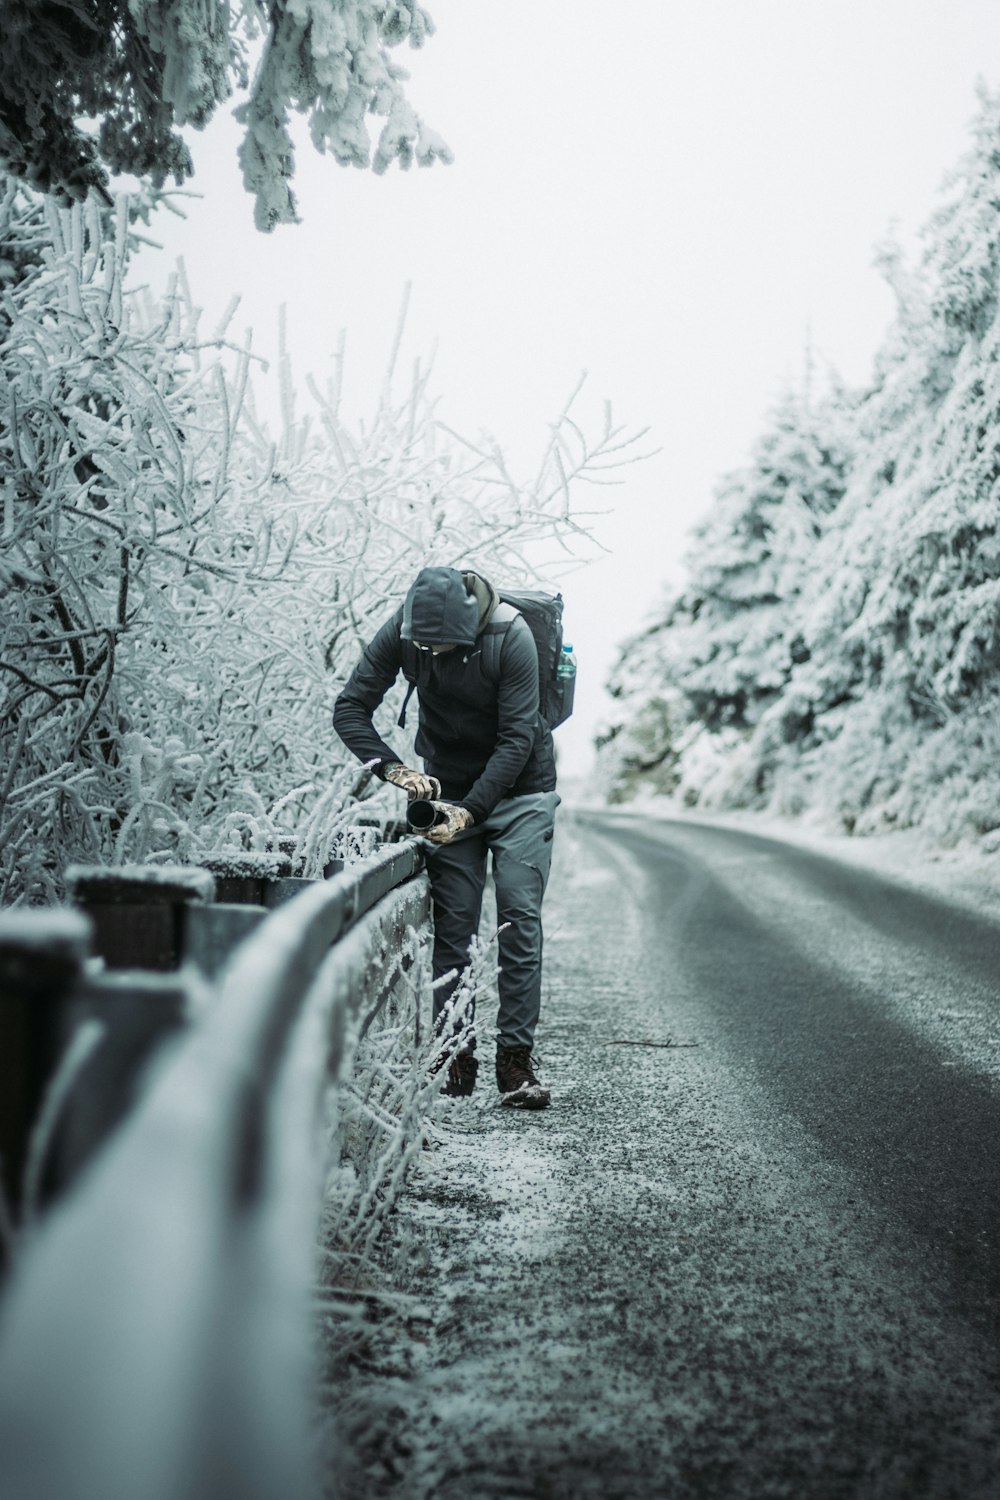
(725, 644)
(902, 612)
(140, 69)
(754, 551)
(889, 712)
(638, 747)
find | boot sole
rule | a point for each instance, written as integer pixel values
(527, 1099)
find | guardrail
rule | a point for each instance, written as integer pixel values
(156, 1338)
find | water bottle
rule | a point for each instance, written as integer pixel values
(561, 701)
(566, 666)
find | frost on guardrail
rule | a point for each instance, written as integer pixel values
(383, 1120)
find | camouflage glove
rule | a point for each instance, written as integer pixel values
(455, 820)
(414, 783)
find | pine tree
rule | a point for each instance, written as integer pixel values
(750, 562)
(140, 69)
(839, 640)
(638, 748)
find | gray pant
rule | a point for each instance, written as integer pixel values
(518, 833)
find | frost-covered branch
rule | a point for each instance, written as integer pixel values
(183, 593)
(142, 68)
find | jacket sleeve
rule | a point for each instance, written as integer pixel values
(517, 703)
(367, 685)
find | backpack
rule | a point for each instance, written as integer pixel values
(542, 613)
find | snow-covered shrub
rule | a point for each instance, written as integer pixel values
(391, 1093)
(132, 560)
(182, 594)
(647, 756)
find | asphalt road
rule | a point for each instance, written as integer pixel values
(752, 1249)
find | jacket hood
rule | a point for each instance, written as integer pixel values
(446, 607)
(484, 593)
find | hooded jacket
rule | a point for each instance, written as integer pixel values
(482, 739)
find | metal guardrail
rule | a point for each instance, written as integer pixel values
(156, 1338)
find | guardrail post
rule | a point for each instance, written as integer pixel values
(41, 957)
(247, 885)
(212, 932)
(241, 877)
(349, 845)
(138, 910)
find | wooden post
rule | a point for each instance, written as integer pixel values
(288, 843)
(240, 877)
(41, 958)
(351, 844)
(138, 910)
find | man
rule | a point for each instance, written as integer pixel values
(489, 767)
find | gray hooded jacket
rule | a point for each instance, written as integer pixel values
(482, 739)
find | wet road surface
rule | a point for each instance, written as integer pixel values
(752, 1249)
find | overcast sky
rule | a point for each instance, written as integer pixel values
(673, 196)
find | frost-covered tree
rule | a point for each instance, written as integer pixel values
(181, 595)
(850, 661)
(751, 558)
(639, 747)
(134, 71)
(723, 650)
(902, 612)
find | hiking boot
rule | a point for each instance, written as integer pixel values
(461, 1078)
(517, 1083)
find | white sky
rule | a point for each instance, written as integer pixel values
(673, 196)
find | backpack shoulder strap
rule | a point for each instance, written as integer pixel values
(493, 635)
(408, 660)
(503, 616)
(410, 672)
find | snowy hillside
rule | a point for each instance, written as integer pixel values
(836, 647)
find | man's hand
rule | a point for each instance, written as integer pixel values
(455, 819)
(414, 783)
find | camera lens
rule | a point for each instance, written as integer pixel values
(422, 815)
